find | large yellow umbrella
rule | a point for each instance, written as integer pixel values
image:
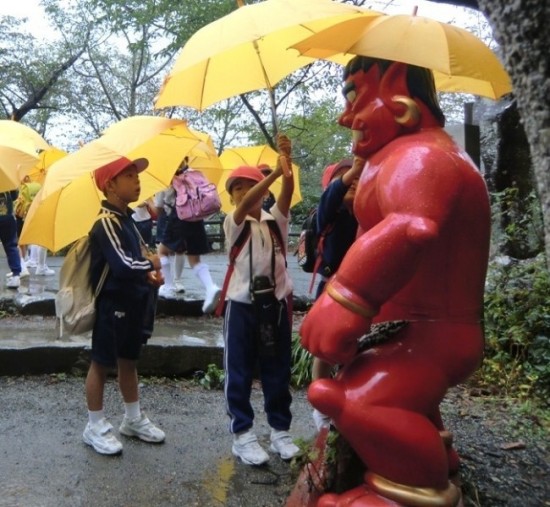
(68, 202)
(247, 50)
(20, 147)
(461, 62)
(204, 158)
(231, 158)
(45, 159)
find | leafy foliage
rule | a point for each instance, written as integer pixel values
(517, 329)
(302, 362)
(213, 378)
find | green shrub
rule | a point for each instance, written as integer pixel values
(302, 362)
(213, 378)
(517, 329)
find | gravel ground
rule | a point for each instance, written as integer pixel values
(504, 450)
(43, 462)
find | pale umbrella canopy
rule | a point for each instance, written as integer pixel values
(461, 62)
(254, 156)
(67, 205)
(20, 147)
(45, 160)
(247, 50)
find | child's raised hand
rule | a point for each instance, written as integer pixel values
(284, 147)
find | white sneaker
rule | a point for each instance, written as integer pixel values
(321, 420)
(247, 448)
(142, 428)
(101, 438)
(31, 263)
(24, 273)
(13, 282)
(44, 271)
(167, 291)
(178, 287)
(282, 444)
(211, 299)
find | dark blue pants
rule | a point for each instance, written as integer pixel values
(8, 236)
(241, 356)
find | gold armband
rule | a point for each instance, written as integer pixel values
(349, 300)
(414, 496)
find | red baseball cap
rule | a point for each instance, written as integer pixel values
(109, 171)
(246, 172)
(332, 170)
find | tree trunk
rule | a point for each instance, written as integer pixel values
(522, 30)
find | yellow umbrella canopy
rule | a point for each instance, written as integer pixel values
(232, 158)
(461, 62)
(247, 50)
(68, 202)
(20, 147)
(204, 158)
(45, 159)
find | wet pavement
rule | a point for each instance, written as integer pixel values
(184, 339)
(43, 461)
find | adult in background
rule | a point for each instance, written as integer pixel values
(8, 236)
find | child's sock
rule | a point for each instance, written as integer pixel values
(179, 263)
(94, 416)
(202, 272)
(132, 410)
(167, 272)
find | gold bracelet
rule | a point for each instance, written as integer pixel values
(414, 496)
(352, 306)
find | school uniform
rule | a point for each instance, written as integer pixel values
(342, 233)
(8, 231)
(242, 349)
(126, 303)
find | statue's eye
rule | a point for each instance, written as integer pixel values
(350, 95)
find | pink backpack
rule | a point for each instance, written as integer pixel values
(196, 197)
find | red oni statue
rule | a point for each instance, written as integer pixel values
(421, 256)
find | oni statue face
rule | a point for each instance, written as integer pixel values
(367, 114)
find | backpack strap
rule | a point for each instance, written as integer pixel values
(233, 253)
(236, 249)
(105, 272)
(319, 258)
(275, 231)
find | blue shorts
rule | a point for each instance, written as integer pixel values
(122, 326)
(182, 236)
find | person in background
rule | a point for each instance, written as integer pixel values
(144, 220)
(8, 236)
(125, 307)
(182, 236)
(335, 215)
(261, 258)
(27, 192)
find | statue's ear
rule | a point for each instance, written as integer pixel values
(395, 94)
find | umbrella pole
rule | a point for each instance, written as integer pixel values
(271, 92)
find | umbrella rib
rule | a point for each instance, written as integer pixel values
(203, 87)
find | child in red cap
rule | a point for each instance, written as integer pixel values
(335, 215)
(125, 307)
(261, 264)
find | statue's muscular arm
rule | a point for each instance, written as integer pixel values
(414, 191)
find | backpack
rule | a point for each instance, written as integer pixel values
(306, 250)
(75, 299)
(27, 192)
(196, 197)
(309, 251)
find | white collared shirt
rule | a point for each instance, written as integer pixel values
(260, 234)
